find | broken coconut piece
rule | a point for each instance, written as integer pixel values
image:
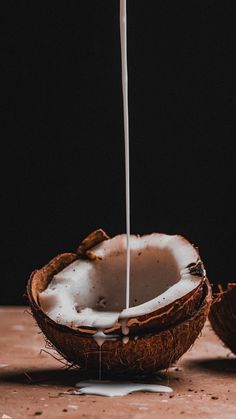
(222, 316)
(169, 302)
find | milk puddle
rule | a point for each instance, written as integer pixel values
(115, 389)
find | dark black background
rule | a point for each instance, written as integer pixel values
(62, 153)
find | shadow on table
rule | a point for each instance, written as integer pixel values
(226, 366)
(42, 376)
(63, 377)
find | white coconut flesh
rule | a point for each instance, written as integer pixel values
(91, 292)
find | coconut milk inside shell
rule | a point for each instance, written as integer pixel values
(90, 293)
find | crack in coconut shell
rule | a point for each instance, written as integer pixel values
(163, 335)
(222, 316)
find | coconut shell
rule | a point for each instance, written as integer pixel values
(155, 340)
(170, 314)
(90, 241)
(222, 316)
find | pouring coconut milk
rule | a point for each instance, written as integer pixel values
(112, 388)
(84, 305)
(57, 299)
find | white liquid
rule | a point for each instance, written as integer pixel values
(125, 339)
(100, 363)
(104, 388)
(124, 327)
(104, 320)
(100, 338)
(111, 389)
(124, 68)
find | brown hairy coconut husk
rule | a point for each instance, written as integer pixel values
(222, 315)
(158, 336)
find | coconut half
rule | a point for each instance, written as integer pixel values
(222, 316)
(78, 294)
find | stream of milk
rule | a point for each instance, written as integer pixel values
(108, 388)
(124, 72)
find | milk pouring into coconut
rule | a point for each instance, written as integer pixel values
(100, 337)
(91, 292)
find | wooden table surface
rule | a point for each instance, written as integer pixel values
(34, 384)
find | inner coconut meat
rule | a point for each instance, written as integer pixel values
(91, 292)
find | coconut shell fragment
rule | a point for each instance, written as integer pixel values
(149, 353)
(156, 340)
(222, 316)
